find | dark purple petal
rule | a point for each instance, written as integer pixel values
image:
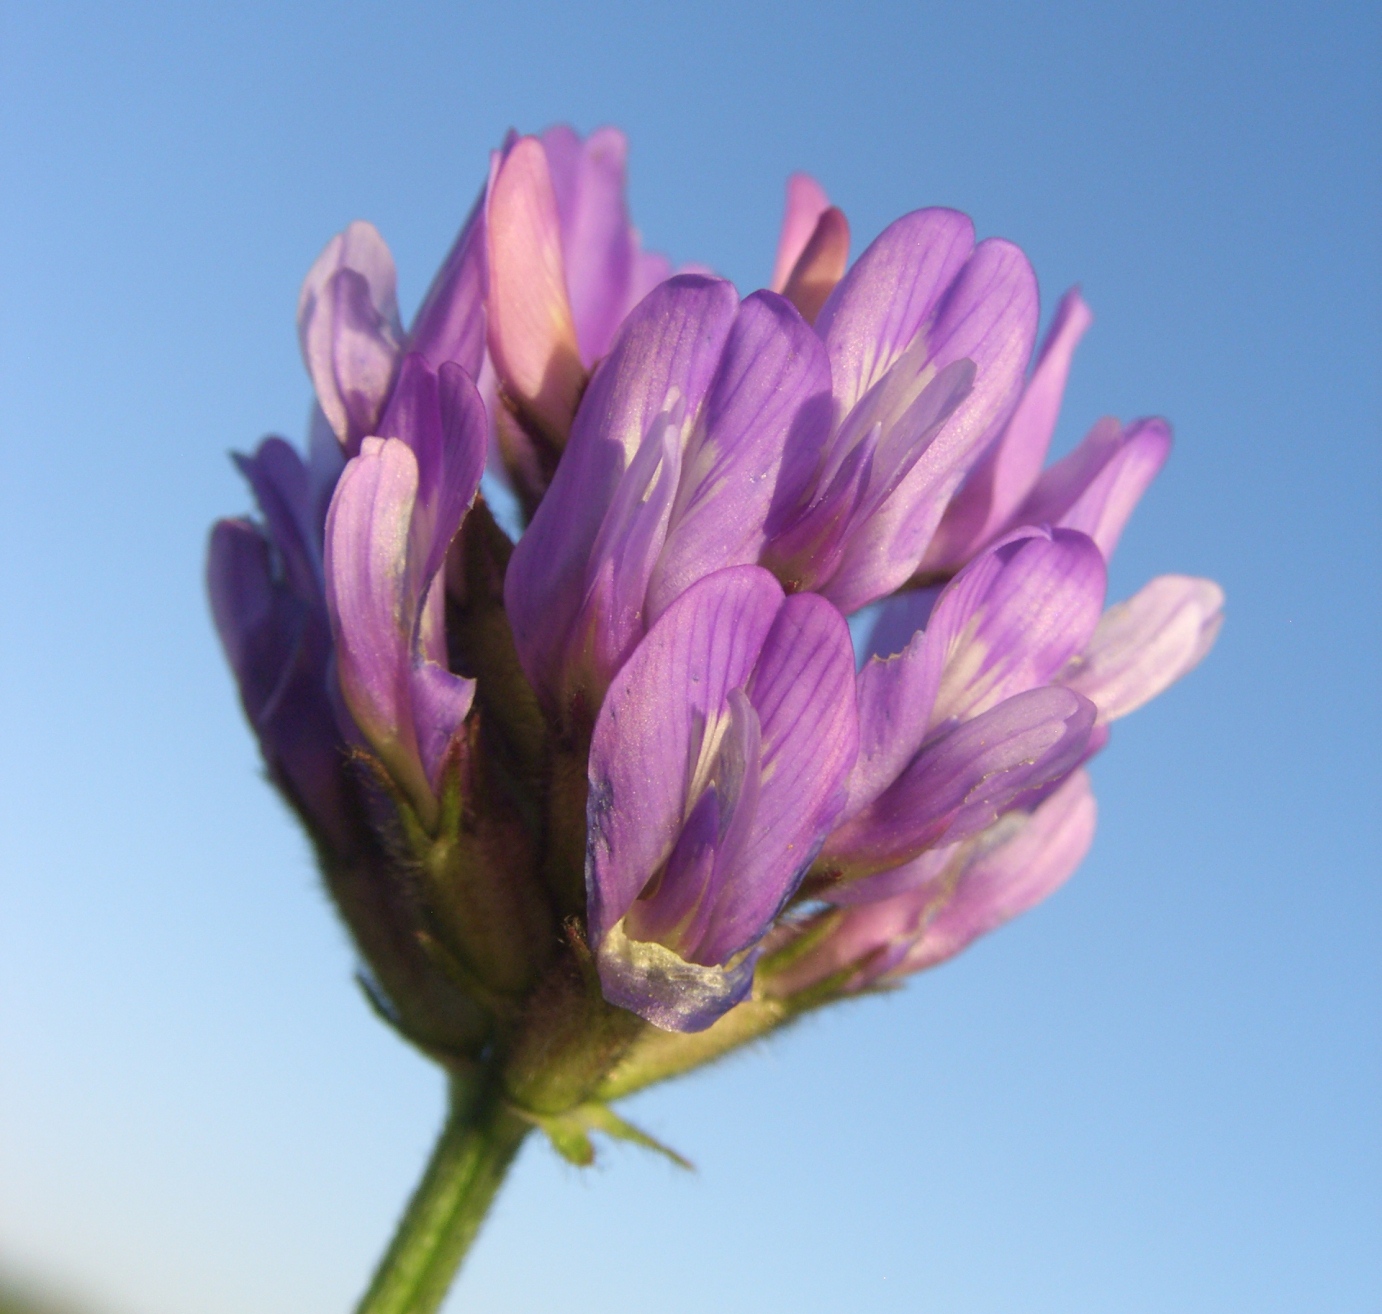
(278, 648)
(762, 428)
(257, 623)
(282, 487)
(613, 617)
(963, 780)
(717, 765)
(996, 487)
(663, 358)
(349, 330)
(1145, 644)
(440, 703)
(1096, 487)
(1013, 618)
(1009, 622)
(806, 200)
(893, 291)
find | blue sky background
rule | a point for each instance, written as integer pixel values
(1159, 1091)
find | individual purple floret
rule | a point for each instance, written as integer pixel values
(944, 900)
(926, 337)
(716, 768)
(396, 509)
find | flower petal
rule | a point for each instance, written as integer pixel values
(441, 702)
(613, 617)
(372, 594)
(279, 651)
(658, 727)
(282, 487)
(450, 324)
(820, 266)
(988, 316)
(1096, 487)
(664, 356)
(440, 416)
(349, 330)
(765, 419)
(1144, 645)
(588, 178)
(532, 336)
(803, 692)
(996, 487)
(1009, 622)
(1013, 618)
(893, 290)
(962, 781)
(806, 200)
(1010, 873)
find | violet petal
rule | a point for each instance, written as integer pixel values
(1145, 644)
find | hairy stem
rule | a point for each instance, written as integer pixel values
(467, 1168)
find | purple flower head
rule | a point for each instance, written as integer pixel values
(716, 769)
(927, 337)
(396, 509)
(582, 794)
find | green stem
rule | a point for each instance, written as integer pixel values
(466, 1170)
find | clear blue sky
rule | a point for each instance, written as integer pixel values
(1158, 1092)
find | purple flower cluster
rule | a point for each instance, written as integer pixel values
(638, 747)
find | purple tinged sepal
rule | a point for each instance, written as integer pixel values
(716, 768)
(350, 332)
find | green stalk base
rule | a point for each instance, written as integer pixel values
(467, 1168)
